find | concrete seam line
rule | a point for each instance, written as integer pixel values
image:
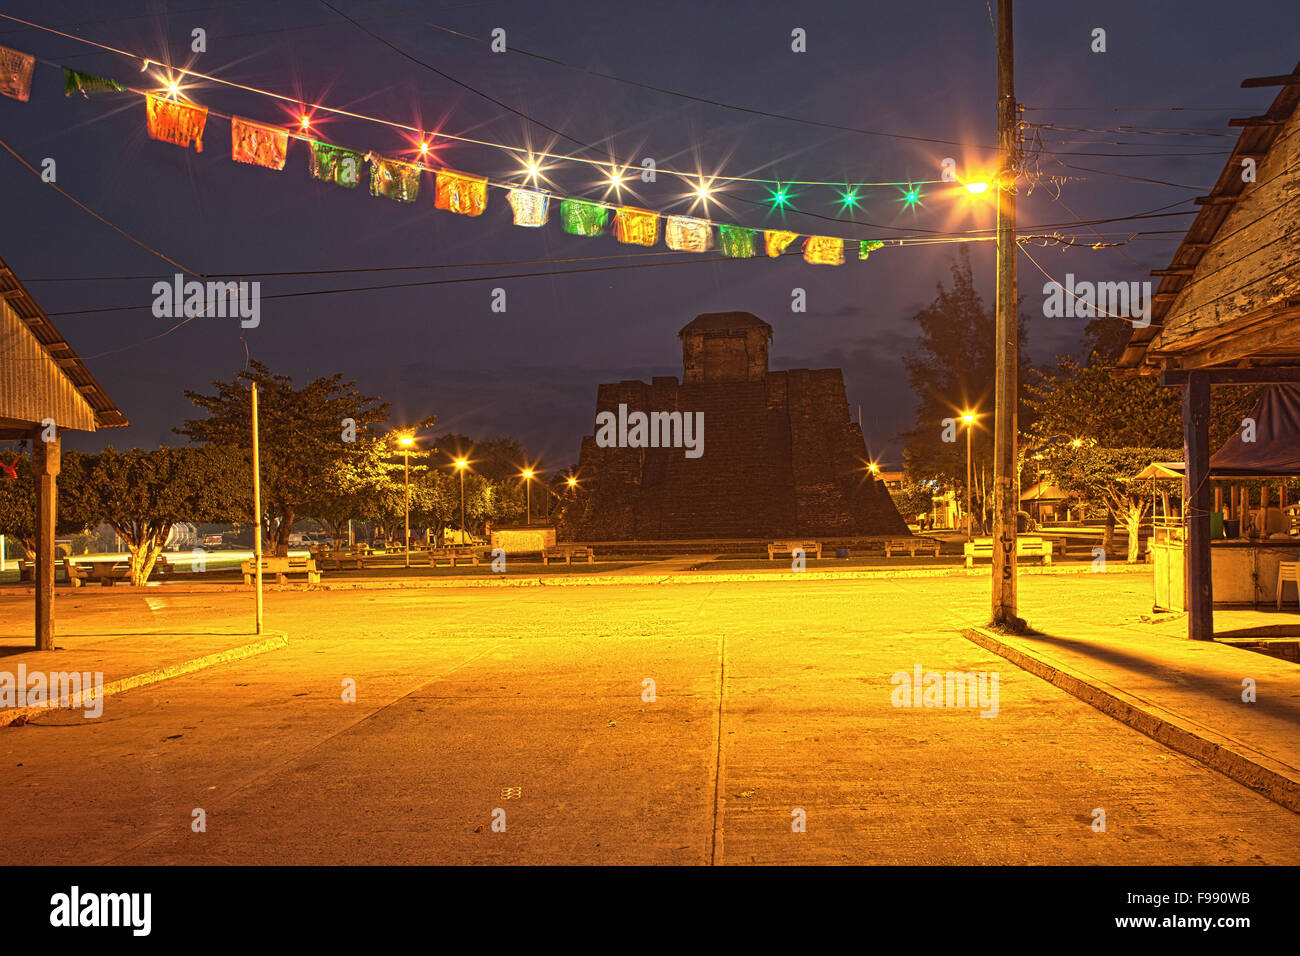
(1168, 730)
(719, 764)
(8, 717)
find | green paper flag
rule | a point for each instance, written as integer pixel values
(581, 218)
(85, 84)
(335, 164)
(736, 242)
(868, 246)
(394, 179)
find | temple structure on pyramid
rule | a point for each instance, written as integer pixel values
(777, 454)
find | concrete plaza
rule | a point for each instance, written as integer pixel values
(770, 697)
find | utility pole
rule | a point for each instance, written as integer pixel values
(1007, 350)
(257, 513)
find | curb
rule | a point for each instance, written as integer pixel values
(598, 579)
(20, 715)
(1233, 759)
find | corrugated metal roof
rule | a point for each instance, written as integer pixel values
(1257, 136)
(107, 414)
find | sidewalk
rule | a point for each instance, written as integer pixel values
(1185, 694)
(125, 660)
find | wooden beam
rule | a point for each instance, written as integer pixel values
(1196, 506)
(1260, 375)
(1255, 121)
(1286, 79)
(1218, 200)
(1174, 271)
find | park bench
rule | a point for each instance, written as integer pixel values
(452, 554)
(77, 574)
(1026, 547)
(813, 548)
(568, 552)
(911, 546)
(338, 560)
(107, 573)
(282, 567)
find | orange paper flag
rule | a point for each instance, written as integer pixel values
(257, 144)
(823, 251)
(456, 192)
(775, 241)
(175, 122)
(639, 227)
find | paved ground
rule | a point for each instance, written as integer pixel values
(770, 697)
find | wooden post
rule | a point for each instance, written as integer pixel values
(1196, 506)
(45, 466)
(1007, 346)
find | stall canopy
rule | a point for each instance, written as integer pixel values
(1275, 452)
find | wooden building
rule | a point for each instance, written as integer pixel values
(44, 390)
(1226, 309)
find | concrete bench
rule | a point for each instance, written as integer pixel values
(809, 548)
(912, 546)
(452, 555)
(107, 573)
(282, 567)
(77, 574)
(568, 552)
(338, 560)
(1026, 547)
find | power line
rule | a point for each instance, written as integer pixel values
(610, 166)
(687, 96)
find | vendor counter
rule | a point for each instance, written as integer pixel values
(1242, 572)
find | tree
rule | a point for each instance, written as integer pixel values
(953, 370)
(1074, 400)
(18, 501)
(303, 434)
(1105, 475)
(143, 493)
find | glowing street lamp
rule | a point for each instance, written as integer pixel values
(528, 490)
(977, 187)
(407, 441)
(969, 419)
(460, 467)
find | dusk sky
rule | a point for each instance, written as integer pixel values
(922, 70)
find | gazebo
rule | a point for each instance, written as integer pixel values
(1226, 307)
(44, 389)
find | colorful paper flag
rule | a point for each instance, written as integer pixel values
(868, 246)
(85, 84)
(580, 218)
(335, 164)
(823, 251)
(529, 205)
(174, 122)
(257, 144)
(394, 179)
(736, 242)
(638, 227)
(16, 73)
(686, 234)
(457, 192)
(775, 241)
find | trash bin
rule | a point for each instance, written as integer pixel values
(841, 552)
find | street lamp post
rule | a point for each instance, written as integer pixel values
(528, 496)
(969, 419)
(406, 441)
(460, 467)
